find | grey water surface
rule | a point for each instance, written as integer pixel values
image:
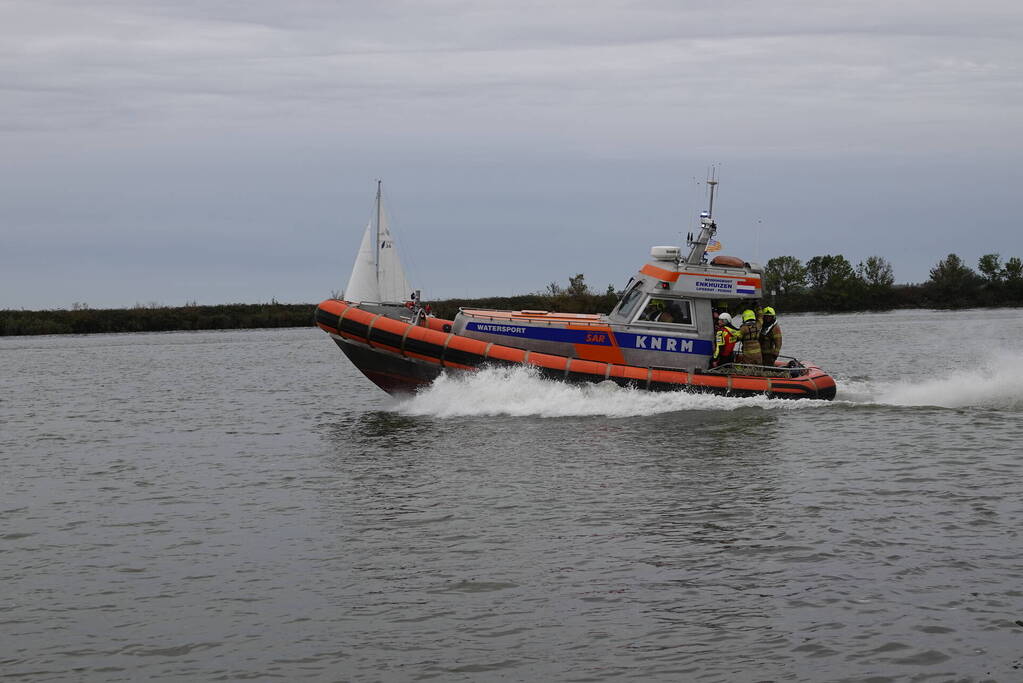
(245, 505)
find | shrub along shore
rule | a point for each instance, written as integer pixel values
(84, 320)
(825, 284)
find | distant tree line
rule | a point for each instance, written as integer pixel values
(81, 319)
(576, 298)
(824, 283)
(154, 318)
(831, 283)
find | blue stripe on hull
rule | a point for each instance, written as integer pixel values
(554, 334)
(660, 342)
(626, 340)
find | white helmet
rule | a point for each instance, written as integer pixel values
(725, 318)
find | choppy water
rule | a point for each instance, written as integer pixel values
(244, 505)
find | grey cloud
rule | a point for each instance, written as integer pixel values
(193, 125)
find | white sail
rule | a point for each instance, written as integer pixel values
(391, 281)
(362, 283)
(377, 275)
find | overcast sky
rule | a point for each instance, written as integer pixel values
(213, 150)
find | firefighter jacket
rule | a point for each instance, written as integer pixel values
(770, 339)
(749, 335)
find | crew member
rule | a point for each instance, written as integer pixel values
(663, 311)
(770, 337)
(654, 310)
(725, 337)
(749, 335)
(676, 314)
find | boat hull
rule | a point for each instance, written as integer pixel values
(393, 374)
(400, 358)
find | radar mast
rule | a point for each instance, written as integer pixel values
(698, 246)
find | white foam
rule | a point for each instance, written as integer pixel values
(995, 382)
(520, 391)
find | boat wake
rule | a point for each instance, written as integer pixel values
(996, 383)
(520, 391)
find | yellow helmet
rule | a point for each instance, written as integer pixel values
(768, 310)
(748, 315)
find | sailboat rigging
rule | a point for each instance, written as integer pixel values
(377, 276)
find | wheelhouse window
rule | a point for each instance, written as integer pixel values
(670, 311)
(630, 301)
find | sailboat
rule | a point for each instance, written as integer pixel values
(377, 276)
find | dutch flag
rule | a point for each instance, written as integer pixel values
(745, 289)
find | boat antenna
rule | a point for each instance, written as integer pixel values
(698, 246)
(712, 183)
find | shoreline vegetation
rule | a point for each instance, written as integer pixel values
(828, 284)
(153, 317)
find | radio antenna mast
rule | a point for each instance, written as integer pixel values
(711, 183)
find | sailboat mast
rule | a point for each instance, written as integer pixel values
(376, 242)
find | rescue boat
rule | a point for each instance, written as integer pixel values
(659, 336)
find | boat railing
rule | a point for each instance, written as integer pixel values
(793, 368)
(476, 314)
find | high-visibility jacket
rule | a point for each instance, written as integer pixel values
(724, 341)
